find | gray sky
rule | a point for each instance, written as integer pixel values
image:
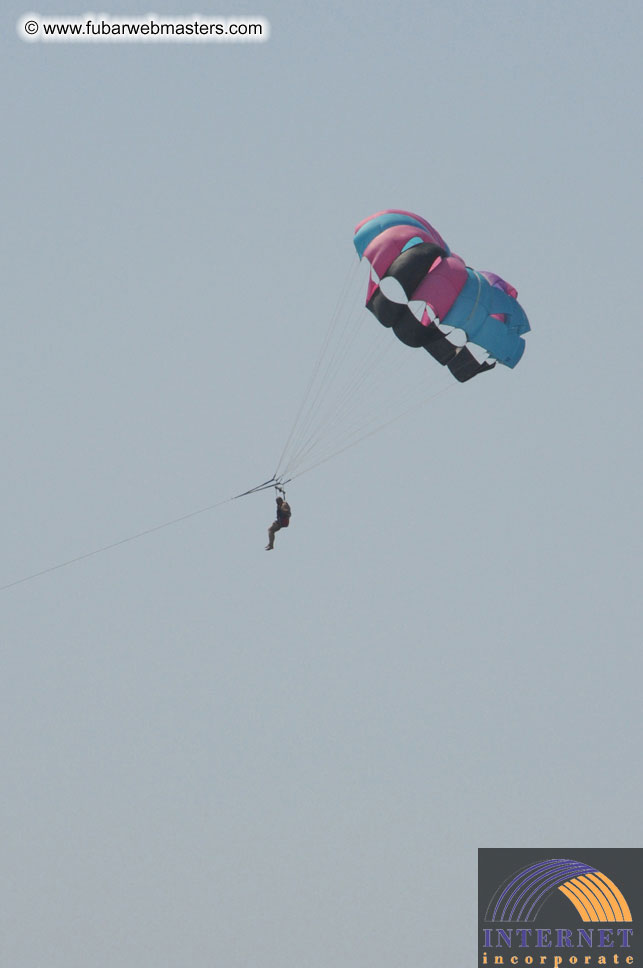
(214, 756)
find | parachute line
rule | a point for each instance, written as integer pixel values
(374, 430)
(361, 382)
(273, 482)
(350, 275)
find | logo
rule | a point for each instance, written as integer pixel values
(554, 909)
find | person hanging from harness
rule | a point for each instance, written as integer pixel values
(282, 520)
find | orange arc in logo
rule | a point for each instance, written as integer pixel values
(596, 898)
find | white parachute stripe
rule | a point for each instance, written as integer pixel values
(393, 290)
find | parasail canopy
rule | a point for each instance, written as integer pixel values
(467, 320)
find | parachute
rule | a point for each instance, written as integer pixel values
(362, 382)
(467, 320)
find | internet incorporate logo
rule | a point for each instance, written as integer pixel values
(594, 895)
(542, 909)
